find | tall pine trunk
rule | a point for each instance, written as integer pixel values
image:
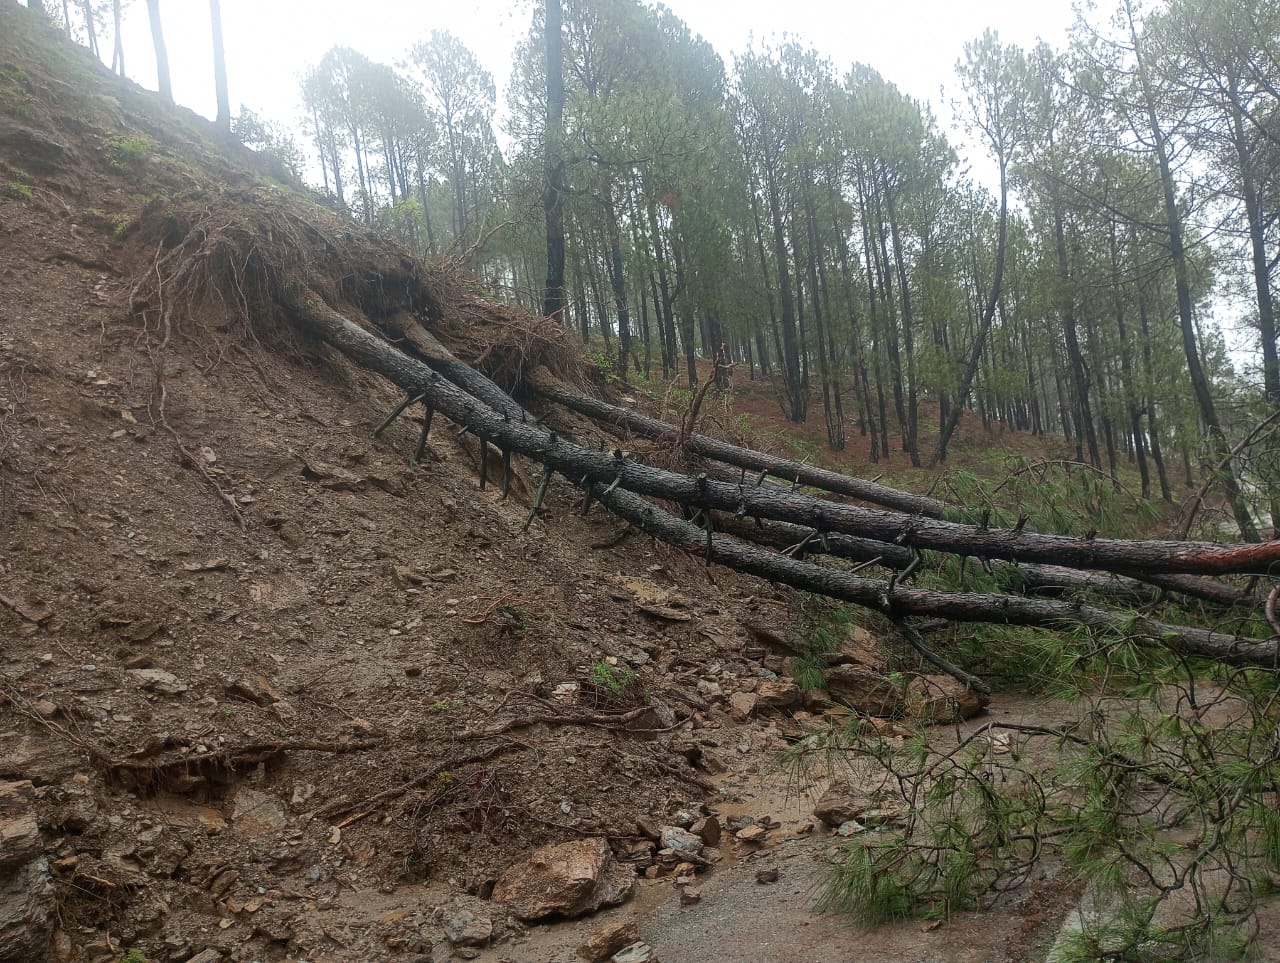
(984, 325)
(220, 69)
(162, 52)
(1223, 468)
(553, 200)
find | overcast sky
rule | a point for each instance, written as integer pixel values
(913, 43)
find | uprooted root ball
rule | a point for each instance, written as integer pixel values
(244, 249)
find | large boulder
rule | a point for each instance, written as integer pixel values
(565, 880)
(865, 690)
(940, 698)
(26, 891)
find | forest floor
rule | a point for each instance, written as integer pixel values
(324, 734)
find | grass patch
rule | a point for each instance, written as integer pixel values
(127, 153)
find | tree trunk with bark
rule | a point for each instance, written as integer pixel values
(553, 299)
(162, 52)
(220, 72)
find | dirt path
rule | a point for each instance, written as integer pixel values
(741, 920)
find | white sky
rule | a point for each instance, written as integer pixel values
(913, 43)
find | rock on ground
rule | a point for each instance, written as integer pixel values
(565, 880)
(26, 891)
(864, 689)
(635, 953)
(608, 940)
(840, 804)
(940, 698)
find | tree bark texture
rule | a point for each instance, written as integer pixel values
(553, 300)
(220, 68)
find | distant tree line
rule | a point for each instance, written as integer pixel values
(816, 225)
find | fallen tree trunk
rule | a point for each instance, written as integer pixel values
(593, 471)
(897, 601)
(1139, 587)
(1035, 579)
(800, 542)
(581, 464)
(739, 457)
(1044, 578)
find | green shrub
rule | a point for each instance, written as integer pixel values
(127, 153)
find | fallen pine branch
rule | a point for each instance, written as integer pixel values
(897, 601)
(600, 720)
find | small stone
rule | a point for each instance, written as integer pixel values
(565, 692)
(839, 804)
(158, 681)
(608, 940)
(850, 828)
(648, 828)
(778, 693)
(742, 705)
(635, 953)
(689, 896)
(712, 764)
(709, 690)
(684, 819)
(752, 834)
(708, 830)
(253, 688)
(766, 876)
(206, 956)
(680, 840)
(223, 882)
(468, 929)
(882, 817)
(816, 700)
(940, 698)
